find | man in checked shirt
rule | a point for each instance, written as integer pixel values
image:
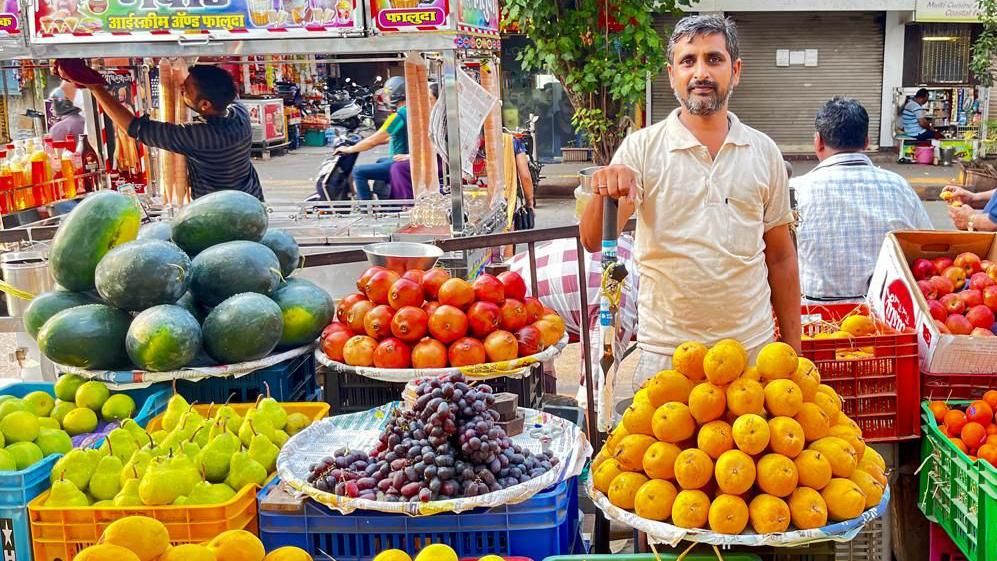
(846, 207)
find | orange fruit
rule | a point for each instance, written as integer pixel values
(814, 469)
(707, 402)
(850, 436)
(858, 326)
(991, 398)
(768, 514)
(846, 421)
(955, 420)
(693, 469)
(980, 412)
(777, 475)
(728, 514)
(672, 422)
(807, 377)
(783, 398)
(623, 489)
(737, 345)
(786, 436)
(844, 499)
(872, 455)
(988, 452)
(659, 460)
(654, 500)
(614, 438)
(598, 459)
(637, 418)
(828, 400)
(777, 361)
(603, 476)
(873, 470)
(630, 451)
(807, 509)
(715, 438)
(751, 434)
(691, 509)
(939, 409)
(751, 373)
(871, 485)
(973, 434)
(735, 472)
(839, 452)
(814, 421)
(668, 385)
(746, 396)
(959, 444)
(724, 362)
(688, 360)
(991, 429)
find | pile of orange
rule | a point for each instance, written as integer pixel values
(974, 431)
(718, 444)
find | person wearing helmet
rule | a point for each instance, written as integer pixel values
(393, 132)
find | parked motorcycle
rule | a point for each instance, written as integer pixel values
(359, 112)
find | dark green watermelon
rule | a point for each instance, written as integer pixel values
(46, 305)
(242, 328)
(286, 249)
(91, 336)
(143, 273)
(163, 338)
(102, 221)
(156, 231)
(220, 217)
(306, 309)
(189, 303)
(232, 268)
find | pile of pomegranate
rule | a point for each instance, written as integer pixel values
(427, 319)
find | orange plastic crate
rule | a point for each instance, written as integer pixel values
(877, 376)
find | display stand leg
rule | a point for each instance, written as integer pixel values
(450, 96)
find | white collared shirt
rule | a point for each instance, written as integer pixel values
(700, 223)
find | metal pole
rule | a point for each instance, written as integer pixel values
(453, 142)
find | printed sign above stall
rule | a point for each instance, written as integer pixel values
(478, 16)
(10, 23)
(965, 11)
(61, 21)
(410, 15)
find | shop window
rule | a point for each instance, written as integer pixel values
(945, 53)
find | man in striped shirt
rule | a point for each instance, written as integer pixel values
(915, 120)
(217, 144)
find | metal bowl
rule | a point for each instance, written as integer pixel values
(403, 256)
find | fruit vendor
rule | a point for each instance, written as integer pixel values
(846, 206)
(711, 199)
(975, 212)
(217, 146)
(393, 132)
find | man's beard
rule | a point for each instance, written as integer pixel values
(699, 105)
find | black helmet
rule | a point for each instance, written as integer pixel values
(394, 89)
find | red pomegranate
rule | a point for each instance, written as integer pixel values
(414, 275)
(379, 286)
(530, 341)
(359, 351)
(501, 345)
(358, 312)
(447, 324)
(466, 351)
(405, 293)
(515, 286)
(487, 288)
(534, 309)
(483, 318)
(410, 324)
(429, 353)
(392, 353)
(343, 309)
(377, 324)
(457, 293)
(333, 344)
(362, 281)
(514, 315)
(432, 280)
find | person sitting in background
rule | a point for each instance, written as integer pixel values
(69, 119)
(977, 212)
(393, 132)
(915, 119)
(846, 207)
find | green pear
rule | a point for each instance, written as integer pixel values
(205, 493)
(48, 423)
(192, 450)
(181, 501)
(20, 426)
(136, 466)
(216, 457)
(26, 454)
(185, 473)
(92, 395)
(175, 409)
(54, 441)
(159, 436)
(80, 420)
(7, 462)
(62, 408)
(40, 403)
(296, 422)
(66, 494)
(66, 386)
(121, 444)
(76, 466)
(118, 407)
(253, 424)
(271, 409)
(229, 417)
(106, 481)
(157, 486)
(245, 471)
(264, 451)
(280, 437)
(129, 494)
(138, 433)
(103, 504)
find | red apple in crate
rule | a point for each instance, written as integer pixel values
(365, 277)
(981, 316)
(355, 317)
(969, 262)
(971, 297)
(432, 280)
(483, 318)
(429, 353)
(410, 324)
(513, 315)
(991, 271)
(447, 324)
(515, 286)
(332, 345)
(955, 274)
(379, 286)
(501, 345)
(941, 327)
(487, 288)
(392, 353)
(377, 322)
(466, 351)
(405, 292)
(942, 263)
(359, 351)
(979, 281)
(923, 269)
(942, 285)
(457, 293)
(534, 309)
(990, 297)
(530, 341)
(953, 304)
(927, 289)
(980, 332)
(937, 310)
(343, 309)
(958, 324)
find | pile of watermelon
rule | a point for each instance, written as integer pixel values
(213, 286)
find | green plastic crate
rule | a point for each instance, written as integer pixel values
(651, 557)
(958, 493)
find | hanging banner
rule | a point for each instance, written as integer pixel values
(478, 16)
(61, 21)
(966, 11)
(10, 23)
(410, 15)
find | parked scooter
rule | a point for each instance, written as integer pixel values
(359, 112)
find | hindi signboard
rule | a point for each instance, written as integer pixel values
(478, 16)
(410, 15)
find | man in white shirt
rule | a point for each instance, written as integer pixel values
(847, 206)
(710, 194)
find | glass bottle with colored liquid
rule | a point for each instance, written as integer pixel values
(41, 173)
(91, 164)
(6, 185)
(68, 169)
(14, 156)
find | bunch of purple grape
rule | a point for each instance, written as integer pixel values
(447, 446)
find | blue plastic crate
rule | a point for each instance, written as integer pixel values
(542, 526)
(291, 380)
(15, 519)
